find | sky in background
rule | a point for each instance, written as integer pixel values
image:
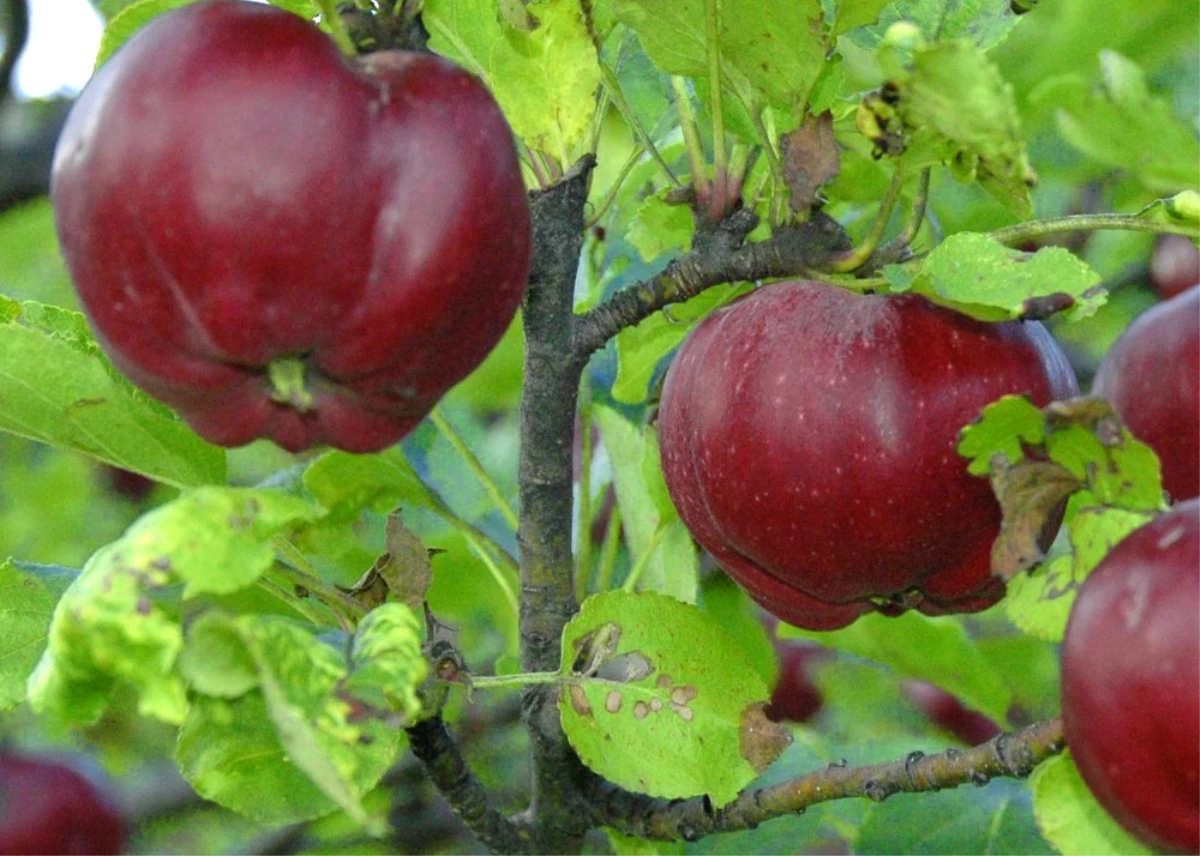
(64, 36)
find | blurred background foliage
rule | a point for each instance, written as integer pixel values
(57, 507)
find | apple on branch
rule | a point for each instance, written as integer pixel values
(808, 440)
(1131, 681)
(280, 243)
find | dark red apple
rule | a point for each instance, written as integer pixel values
(280, 243)
(1131, 681)
(949, 714)
(129, 485)
(1152, 377)
(796, 697)
(48, 806)
(1174, 265)
(808, 439)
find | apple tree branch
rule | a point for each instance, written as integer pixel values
(1012, 755)
(547, 429)
(719, 254)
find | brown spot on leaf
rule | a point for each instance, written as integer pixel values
(1041, 308)
(641, 710)
(761, 741)
(612, 702)
(685, 712)
(682, 695)
(656, 704)
(810, 159)
(664, 681)
(579, 701)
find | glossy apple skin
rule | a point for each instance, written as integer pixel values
(808, 440)
(1131, 681)
(1174, 265)
(47, 806)
(1152, 377)
(228, 190)
(949, 714)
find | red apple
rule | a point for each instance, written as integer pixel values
(280, 243)
(796, 697)
(1152, 377)
(1131, 681)
(48, 806)
(1174, 265)
(808, 440)
(949, 714)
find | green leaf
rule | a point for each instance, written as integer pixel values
(978, 275)
(960, 112)
(342, 742)
(107, 631)
(659, 227)
(995, 820)
(1039, 603)
(672, 34)
(349, 484)
(857, 13)
(545, 80)
(662, 701)
(31, 264)
(1002, 428)
(937, 650)
(770, 51)
(59, 389)
(1119, 470)
(984, 23)
(1123, 125)
(641, 348)
(733, 609)
(779, 48)
(650, 521)
(386, 662)
(216, 661)
(128, 21)
(114, 624)
(28, 595)
(1070, 817)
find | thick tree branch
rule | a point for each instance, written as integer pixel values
(552, 375)
(718, 255)
(432, 744)
(1008, 755)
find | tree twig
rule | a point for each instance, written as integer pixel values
(718, 255)
(1007, 755)
(432, 744)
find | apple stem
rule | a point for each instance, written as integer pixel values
(691, 138)
(1021, 232)
(896, 248)
(516, 681)
(613, 87)
(289, 385)
(608, 551)
(775, 164)
(717, 201)
(337, 28)
(643, 560)
(857, 257)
